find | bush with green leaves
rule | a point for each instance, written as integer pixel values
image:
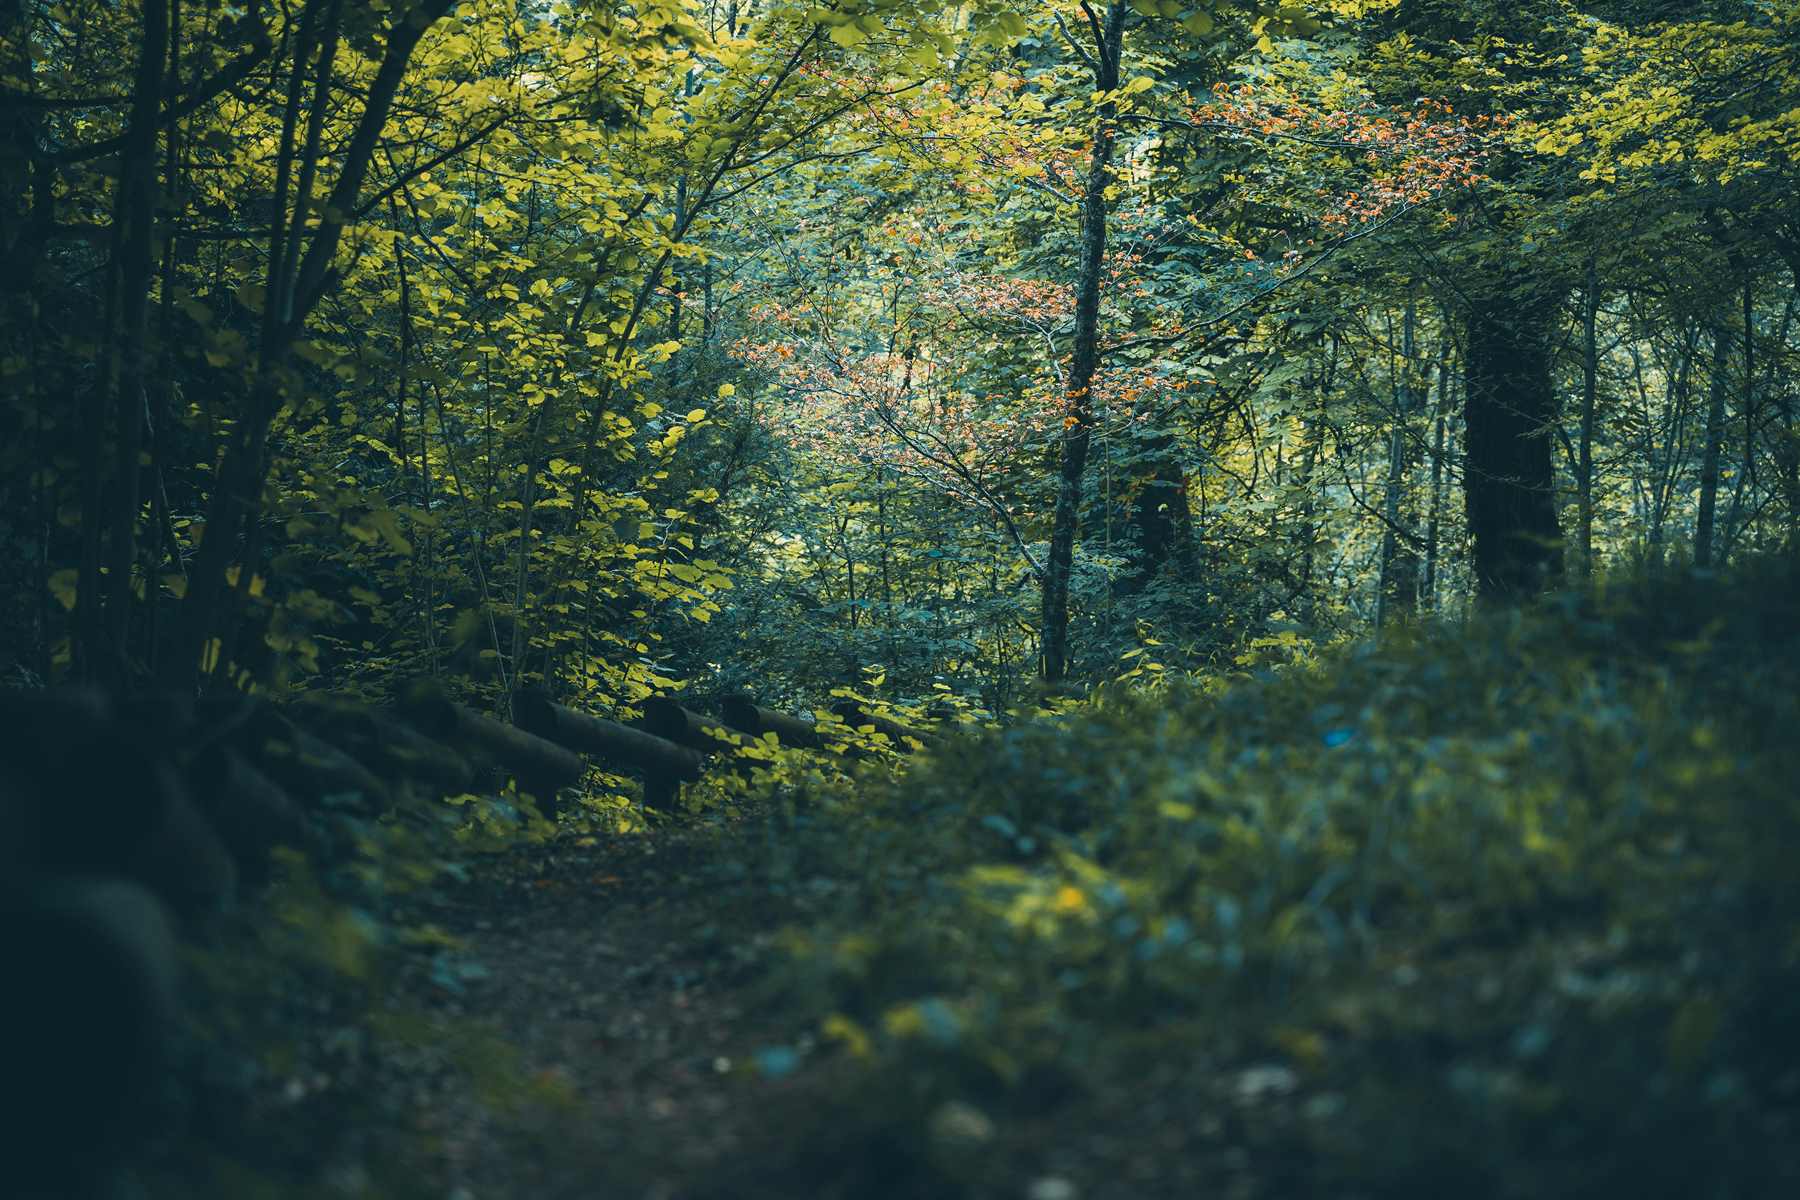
(1500, 910)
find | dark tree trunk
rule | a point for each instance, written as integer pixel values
(1085, 362)
(1161, 521)
(134, 215)
(23, 216)
(1318, 390)
(1787, 443)
(1509, 480)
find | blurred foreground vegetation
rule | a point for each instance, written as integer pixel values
(1504, 911)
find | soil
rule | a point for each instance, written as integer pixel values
(618, 1038)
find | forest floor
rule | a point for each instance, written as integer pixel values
(1497, 911)
(603, 991)
(618, 1035)
(598, 974)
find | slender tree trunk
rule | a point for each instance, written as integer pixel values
(1745, 485)
(1590, 387)
(133, 264)
(1439, 440)
(1787, 447)
(706, 303)
(25, 210)
(1085, 361)
(1307, 530)
(1713, 450)
(1664, 459)
(1399, 582)
(1509, 478)
(849, 574)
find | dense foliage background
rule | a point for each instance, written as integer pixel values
(509, 342)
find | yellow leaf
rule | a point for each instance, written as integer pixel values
(63, 586)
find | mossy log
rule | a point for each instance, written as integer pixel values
(745, 715)
(86, 1023)
(663, 764)
(79, 789)
(390, 744)
(250, 811)
(311, 769)
(541, 765)
(86, 794)
(187, 864)
(669, 720)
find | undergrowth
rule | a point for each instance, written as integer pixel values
(1498, 910)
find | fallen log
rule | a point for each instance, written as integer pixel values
(745, 715)
(664, 764)
(307, 766)
(541, 765)
(83, 794)
(383, 739)
(188, 865)
(87, 1023)
(250, 811)
(669, 720)
(78, 790)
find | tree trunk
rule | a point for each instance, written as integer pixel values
(1746, 483)
(25, 213)
(1399, 582)
(1787, 445)
(1085, 361)
(1590, 387)
(1709, 461)
(1439, 440)
(1509, 479)
(1162, 523)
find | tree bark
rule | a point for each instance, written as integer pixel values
(1590, 388)
(746, 716)
(1439, 444)
(1399, 583)
(1509, 478)
(1787, 446)
(1085, 362)
(1713, 451)
(135, 217)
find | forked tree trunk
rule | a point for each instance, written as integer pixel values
(1085, 362)
(300, 271)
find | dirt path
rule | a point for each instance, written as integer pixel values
(609, 1039)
